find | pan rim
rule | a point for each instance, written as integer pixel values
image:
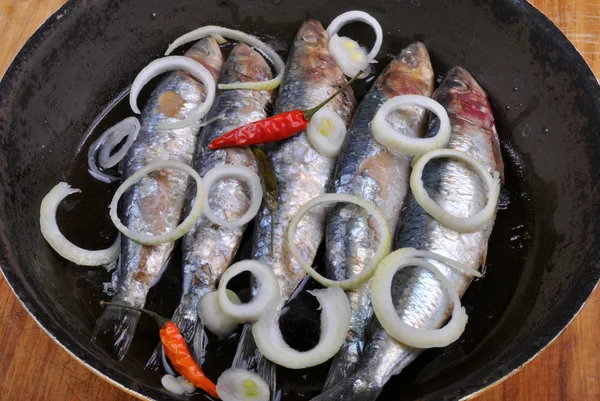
(571, 307)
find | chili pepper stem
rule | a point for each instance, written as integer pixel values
(308, 114)
(159, 319)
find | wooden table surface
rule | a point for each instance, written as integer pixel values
(33, 367)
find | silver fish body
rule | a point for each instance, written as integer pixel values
(208, 249)
(302, 173)
(419, 298)
(370, 171)
(154, 204)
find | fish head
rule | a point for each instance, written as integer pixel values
(464, 99)
(312, 49)
(248, 65)
(410, 73)
(208, 53)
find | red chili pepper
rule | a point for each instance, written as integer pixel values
(177, 351)
(275, 128)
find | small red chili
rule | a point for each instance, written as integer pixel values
(275, 128)
(177, 351)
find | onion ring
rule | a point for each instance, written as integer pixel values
(267, 292)
(130, 128)
(185, 226)
(460, 224)
(361, 16)
(326, 132)
(335, 322)
(57, 240)
(240, 36)
(386, 135)
(242, 385)
(241, 173)
(367, 272)
(175, 63)
(383, 305)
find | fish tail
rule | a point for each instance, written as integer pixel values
(352, 388)
(249, 357)
(122, 322)
(186, 319)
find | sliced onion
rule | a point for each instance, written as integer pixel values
(241, 173)
(242, 385)
(185, 226)
(130, 128)
(172, 385)
(349, 56)
(268, 290)
(460, 224)
(347, 53)
(213, 318)
(383, 305)
(385, 133)
(335, 322)
(175, 63)
(188, 387)
(240, 36)
(326, 132)
(368, 270)
(57, 240)
(456, 265)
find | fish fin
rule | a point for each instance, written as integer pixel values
(122, 322)
(338, 371)
(199, 343)
(352, 388)
(186, 319)
(249, 357)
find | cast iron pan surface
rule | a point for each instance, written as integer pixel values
(63, 89)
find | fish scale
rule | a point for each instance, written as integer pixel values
(370, 171)
(417, 295)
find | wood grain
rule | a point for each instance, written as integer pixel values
(33, 367)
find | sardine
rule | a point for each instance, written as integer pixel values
(419, 298)
(208, 249)
(154, 204)
(302, 173)
(369, 170)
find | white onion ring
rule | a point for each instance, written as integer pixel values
(267, 51)
(352, 16)
(344, 56)
(326, 132)
(335, 322)
(383, 305)
(57, 240)
(241, 173)
(460, 224)
(367, 272)
(242, 385)
(185, 226)
(130, 128)
(211, 316)
(385, 133)
(268, 290)
(176, 63)
(172, 385)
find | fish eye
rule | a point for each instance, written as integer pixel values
(458, 86)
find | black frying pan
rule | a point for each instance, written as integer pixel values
(544, 254)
